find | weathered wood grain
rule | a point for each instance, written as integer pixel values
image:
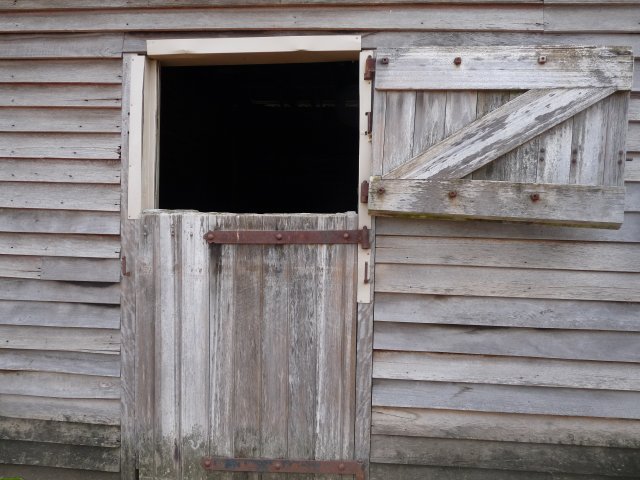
(379, 113)
(60, 268)
(506, 399)
(59, 455)
(438, 367)
(505, 427)
(36, 119)
(64, 196)
(519, 342)
(59, 171)
(86, 71)
(22, 429)
(59, 221)
(59, 314)
(98, 146)
(633, 136)
(363, 379)
(579, 205)
(632, 197)
(429, 126)
(55, 291)
(503, 68)
(590, 18)
(554, 155)
(400, 114)
(60, 362)
(89, 246)
(592, 256)
(66, 95)
(632, 169)
(499, 132)
(588, 145)
(59, 385)
(19, 337)
(42, 46)
(506, 312)
(93, 411)
(503, 455)
(52, 473)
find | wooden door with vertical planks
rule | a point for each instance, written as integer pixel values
(244, 350)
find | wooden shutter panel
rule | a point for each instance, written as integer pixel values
(532, 134)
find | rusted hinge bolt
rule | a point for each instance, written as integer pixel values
(341, 467)
(542, 59)
(457, 61)
(277, 466)
(381, 190)
(209, 236)
(453, 194)
(346, 235)
(384, 60)
(534, 197)
(207, 463)
(278, 236)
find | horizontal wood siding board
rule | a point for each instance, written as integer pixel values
(596, 256)
(94, 411)
(506, 399)
(28, 430)
(632, 168)
(105, 71)
(51, 473)
(634, 108)
(91, 146)
(60, 171)
(506, 427)
(60, 268)
(59, 314)
(601, 207)
(63, 120)
(59, 455)
(89, 340)
(591, 18)
(632, 197)
(415, 17)
(59, 385)
(633, 137)
(628, 232)
(531, 372)
(59, 221)
(61, 196)
(56, 291)
(511, 342)
(617, 462)
(67, 95)
(503, 68)
(506, 312)
(56, 245)
(78, 363)
(61, 46)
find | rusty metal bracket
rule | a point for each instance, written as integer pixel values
(287, 237)
(267, 465)
(369, 68)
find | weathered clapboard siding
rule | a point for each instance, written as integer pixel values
(59, 120)
(61, 362)
(61, 95)
(60, 268)
(19, 337)
(64, 196)
(60, 171)
(587, 18)
(48, 431)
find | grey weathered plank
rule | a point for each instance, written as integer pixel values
(519, 342)
(456, 368)
(23, 429)
(106, 412)
(632, 169)
(632, 197)
(430, 115)
(60, 171)
(422, 17)
(59, 221)
(99, 146)
(614, 257)
(634, 108)
(52, 473)
(511, 282)
(87, 71)
(579, 205)
(503, 455)
(20, 267)
(55, 291)
(65, 95)
(616, 124)
(59, 385)
(506, 427)
(60, 362)
(59, 120)
(629, 231)
(506, 399)
(555, 154)
(59, 314)
(570, 18)
(379, 112)
(498, 132)
(363, 379)
(507, 312)
(504, 68)
(460, 111)
(88, 246)
(521, 163)
(399, 120)
(59, 455)
(588, 145)
(60, 268)
(633, 136)
(64, 196)
(41, 46)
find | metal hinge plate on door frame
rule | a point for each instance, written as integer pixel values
(289, 237)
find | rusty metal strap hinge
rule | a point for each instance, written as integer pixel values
(264, 465)
(288, 237)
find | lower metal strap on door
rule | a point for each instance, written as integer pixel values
(286, 237)
(264, 465)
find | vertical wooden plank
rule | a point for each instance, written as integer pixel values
(302, 320)
(521, 164)
(248, 298)
(145, 357)
(275, 348)
(379, 127)
(461, 110)
(221, 338)
(364, 379)
(166, 266)
(615, 154)
(193, 309)
(430, 117)
(489, 100)
(398, 134)
(589, 144)
(554, 159)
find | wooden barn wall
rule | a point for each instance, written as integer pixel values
(482, 369)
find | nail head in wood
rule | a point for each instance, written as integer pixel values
(384, 60)
(534, 197)
(453, 194)
(279, 236)
(457, 61)
(381, 190)
(542, 59)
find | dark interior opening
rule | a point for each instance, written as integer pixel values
(259, 138)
